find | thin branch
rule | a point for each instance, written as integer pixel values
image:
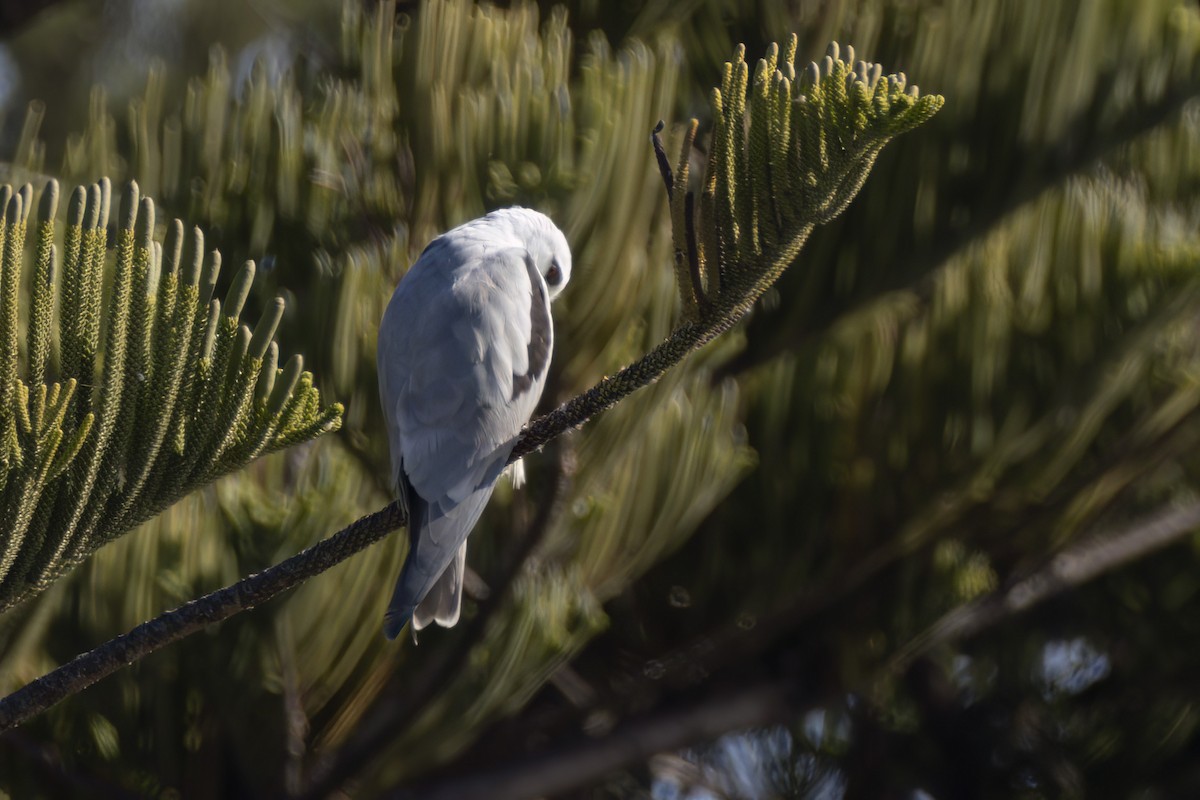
(586, 759)
(86, 669)
(716, 317)
(1073, 567)
(722, 313)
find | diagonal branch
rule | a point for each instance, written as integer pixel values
(558, 770)
(86, 669)
(1073, 567)
(863, 113)
(171, 626)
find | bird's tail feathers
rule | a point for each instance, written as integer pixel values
(444, 601)
(430, 585)
(516, 472)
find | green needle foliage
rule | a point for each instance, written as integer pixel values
(787, 155)
(781, 163)
(157, 388)
(988, 352)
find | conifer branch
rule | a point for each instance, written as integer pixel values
(822, 131)
(87, 668)
(1094, 139)
(122, 413)
(1076, 565)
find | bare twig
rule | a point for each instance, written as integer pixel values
(1073, 567)
(587, 758)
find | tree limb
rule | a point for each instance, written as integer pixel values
(751, 256)
(1070, 569)
(171, 626)
(587, 758)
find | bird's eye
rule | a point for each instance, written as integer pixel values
(554, 275)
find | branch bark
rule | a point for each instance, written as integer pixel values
(87, 668)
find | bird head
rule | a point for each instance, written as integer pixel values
(554, 262)
(544, 241)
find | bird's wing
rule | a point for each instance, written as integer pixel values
(462, 361)
(464, 349)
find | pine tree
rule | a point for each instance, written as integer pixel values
(986, 358)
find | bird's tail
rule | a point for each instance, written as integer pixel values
(444, 601)
(430, 585)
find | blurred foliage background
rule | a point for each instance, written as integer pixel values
(992, 352)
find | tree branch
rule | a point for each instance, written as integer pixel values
(751, 257)
(587, 758)
(171, 626)
(1070, 569)
(86, 669)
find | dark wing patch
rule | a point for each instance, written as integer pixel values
(413, 506)
(540, 333)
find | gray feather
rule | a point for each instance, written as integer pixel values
(444, 601)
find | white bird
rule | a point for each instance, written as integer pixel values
(463, 352)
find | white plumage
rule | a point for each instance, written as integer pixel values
(463, 352)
